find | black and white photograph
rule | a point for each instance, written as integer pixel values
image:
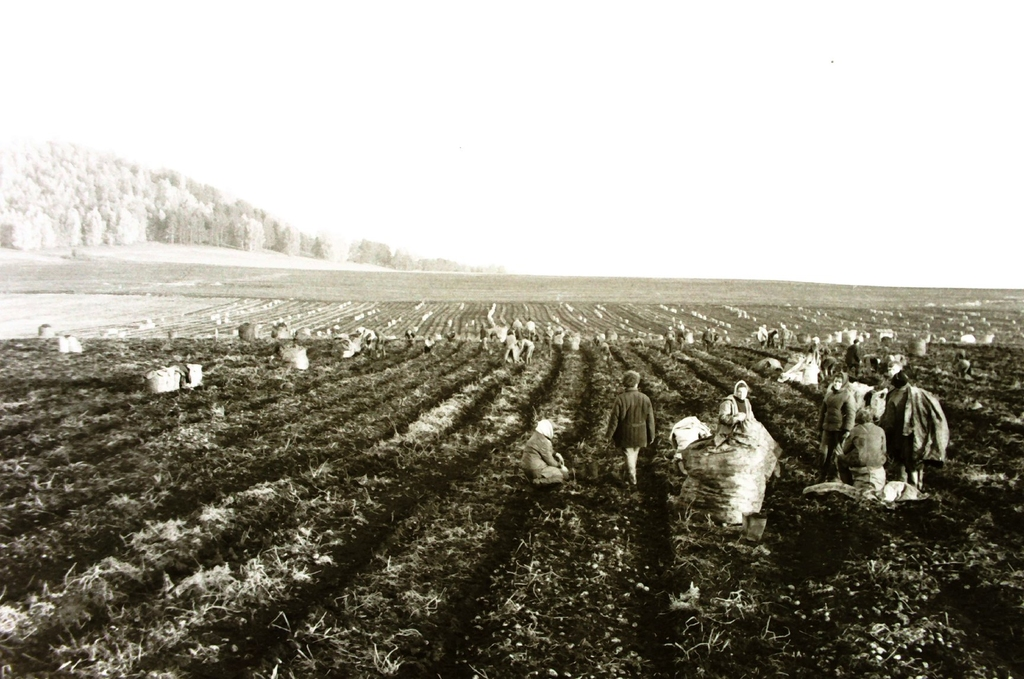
(478, 340)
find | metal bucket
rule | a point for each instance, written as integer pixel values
(919, 347)
(753, 526)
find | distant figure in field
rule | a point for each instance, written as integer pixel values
(542, 466)
(862, 462)
(962, 365)
(631, 424)
(511, 348)
(526, 348)
(836, 418)
(772, 341)
(428, 345)
(709, 338)
(670, 341)
(606, 351)
(762, 336)
(854, 356)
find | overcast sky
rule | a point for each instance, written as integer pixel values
(869, 142)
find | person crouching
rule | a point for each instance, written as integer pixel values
(862, 462)
(542, 466)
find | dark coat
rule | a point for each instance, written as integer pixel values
(631, 424)
(865, 446)
(838, 411)
(854, 354)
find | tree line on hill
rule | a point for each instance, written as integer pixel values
(63, 195)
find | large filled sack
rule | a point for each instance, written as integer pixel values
(247, 332)
(767, 365)
(174, 377)
(353, 346)
(727, 481)
(294, 357)
(69, 344)
(872, 398)
(804, 371)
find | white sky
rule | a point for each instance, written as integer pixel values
(868, 142)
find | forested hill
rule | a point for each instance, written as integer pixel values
(63, 195)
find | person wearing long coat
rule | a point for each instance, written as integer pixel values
(854, 356)
(900, 445)
(631, 424)
(836, 417)
(542, 466)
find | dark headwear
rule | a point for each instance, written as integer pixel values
(900, 379)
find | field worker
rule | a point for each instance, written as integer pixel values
(854, 356)
(606, 351)
(526, 348)
(709, 338)
(899, 446)
(531, 330)
(428, 344)
(559, 337)
(511, 348)
(762, 336)
(836, 418)
(541, 465)
(631, 424)
(783, 335)
(862, 462)
(962, 365)
(815, 350)
(733, 411)
(670, 341)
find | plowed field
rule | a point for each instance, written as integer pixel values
(367, 517)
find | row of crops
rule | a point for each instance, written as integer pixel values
(997, 324)
(367, 518)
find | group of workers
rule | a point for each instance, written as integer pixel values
(856, 443)
(772, 338)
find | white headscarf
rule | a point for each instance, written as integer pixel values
(545, 427)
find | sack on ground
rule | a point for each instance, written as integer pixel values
(688, 430)
(295, 357)
(727, 481)
(69, 344)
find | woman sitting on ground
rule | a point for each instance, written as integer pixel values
(541, 465)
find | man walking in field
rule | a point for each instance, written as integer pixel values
(631, 425)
